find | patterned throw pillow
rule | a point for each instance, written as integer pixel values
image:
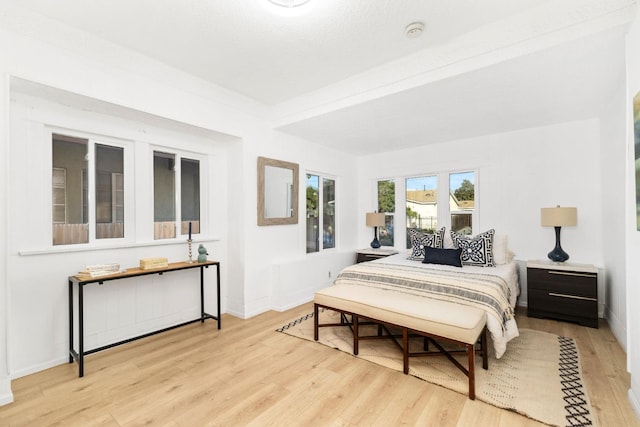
(477, 250)
(419, 240)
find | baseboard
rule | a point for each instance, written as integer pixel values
(634, 402)
(6, 395)
(37, 368)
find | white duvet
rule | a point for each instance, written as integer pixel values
(499, 336)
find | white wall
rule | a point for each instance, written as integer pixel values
(146, 101)
(518, 173)
(633, 236)
(267, 246)
(6, 395)
(613, 154)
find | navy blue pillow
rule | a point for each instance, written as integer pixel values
(442, 256)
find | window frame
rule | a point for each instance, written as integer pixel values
(128, 158)
(444, 212)
(319, 237)
(179, 154)
(388, 215)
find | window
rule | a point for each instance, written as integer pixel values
(72, 172)
(59, 195)
(190, 195)
(422, 204)
(320, 216)
(109, 192)
(165, 195)
(454, 207)
(462, 201)
(387, 204)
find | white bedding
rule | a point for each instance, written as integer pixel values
(500, 336)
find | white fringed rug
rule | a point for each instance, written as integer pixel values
(539, 375)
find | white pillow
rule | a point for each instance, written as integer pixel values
(501, 252)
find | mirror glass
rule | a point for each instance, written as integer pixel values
(277, 192)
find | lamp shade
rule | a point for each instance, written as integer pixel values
(558, 217)
(375, 219)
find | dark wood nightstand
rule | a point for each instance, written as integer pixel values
(371, 254)
(563, 291)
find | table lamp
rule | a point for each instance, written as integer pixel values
(375, 220)
(558, 217)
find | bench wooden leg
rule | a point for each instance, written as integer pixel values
(356, 334)
(315, 322)
(471, 351)
(405, 350)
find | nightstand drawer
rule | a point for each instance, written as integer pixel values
(365, 255)
(369, 257)
(569, 305)
(576, 284)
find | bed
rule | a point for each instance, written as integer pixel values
(493, 288)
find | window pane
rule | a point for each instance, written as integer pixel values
(109, 192)
(462, 201)
(312, 213)
(386, 196)
(59, 195)
(190, 195)
(422, 204)
(328, 213)
(69, 166)
(164, 195)
(387, 204)
(386, 233)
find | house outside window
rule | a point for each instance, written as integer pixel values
(169, 194)
(422, 204)
(84, 170)
(446, 199)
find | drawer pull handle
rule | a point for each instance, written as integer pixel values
(566, 273)
(553, 294)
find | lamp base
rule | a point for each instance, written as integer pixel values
(557, 254)
(375, 243)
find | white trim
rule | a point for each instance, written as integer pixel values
(635, 404)
(84, 248)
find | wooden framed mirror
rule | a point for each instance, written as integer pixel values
(277, 192)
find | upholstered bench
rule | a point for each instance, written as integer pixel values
(433, 319)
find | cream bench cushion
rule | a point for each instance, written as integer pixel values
(441, 318)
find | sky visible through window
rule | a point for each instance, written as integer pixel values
(422, 183)
(312, 181)
(431, 182)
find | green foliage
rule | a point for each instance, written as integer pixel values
(386, 196)
(312, 200)
(465, 191)
(411, 213)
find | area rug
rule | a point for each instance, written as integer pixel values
(539, 375)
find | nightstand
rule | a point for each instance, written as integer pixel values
(371, 254)
(563, 291)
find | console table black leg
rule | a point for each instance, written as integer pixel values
(70, 321)
(218, 292)
(202, 294)
(80, 332)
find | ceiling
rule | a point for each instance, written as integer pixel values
(345, 61)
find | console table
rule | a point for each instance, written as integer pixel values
(81, 281)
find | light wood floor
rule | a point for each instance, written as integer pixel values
(248, 374)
